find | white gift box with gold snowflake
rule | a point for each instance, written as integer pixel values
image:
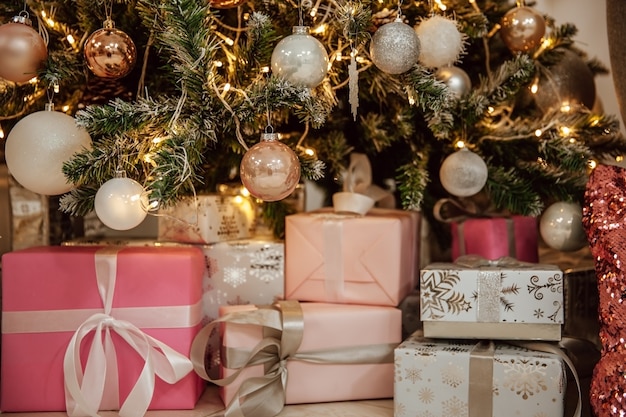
(474, 298)
(435, 378)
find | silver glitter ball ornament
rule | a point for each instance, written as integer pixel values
(395, 47)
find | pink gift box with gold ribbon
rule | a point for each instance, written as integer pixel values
(97, 328)
(292, 353)
(495, 237)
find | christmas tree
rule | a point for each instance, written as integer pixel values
(194, 84)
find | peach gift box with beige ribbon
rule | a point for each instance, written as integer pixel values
(354, 259)
(96, 328)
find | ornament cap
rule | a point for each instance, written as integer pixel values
(301, 30)
(49, 107)
(268, 137)
(108, 24)
(23, 19)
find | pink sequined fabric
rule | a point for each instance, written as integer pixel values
(604, 220)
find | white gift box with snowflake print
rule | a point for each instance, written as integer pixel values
(247, 271)
(435, 378)
(474, 298)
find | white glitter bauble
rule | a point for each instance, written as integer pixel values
(463, 173)
(121, 203)
(441, 41)
(39, 145)
(395, 47)
(300, 58)
(561, 227)
(270, 170)
(456, 79)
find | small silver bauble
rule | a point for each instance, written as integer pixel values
(463, 173)
(456, 79)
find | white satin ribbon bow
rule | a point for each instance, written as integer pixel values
(86, 391)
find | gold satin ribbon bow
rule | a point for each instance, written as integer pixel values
(283, 327)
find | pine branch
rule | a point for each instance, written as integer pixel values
(412, 179)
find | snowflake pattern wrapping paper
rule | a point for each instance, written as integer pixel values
(474, 298)
(435, 378)
(247, 271)
(207, 219)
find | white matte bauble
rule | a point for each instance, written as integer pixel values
(442, 42)
(270, 170)
(561, 227)
(39, 145)
(300, 58)
(395, 47)
(456, 79)
(121, 203)
(463, 173)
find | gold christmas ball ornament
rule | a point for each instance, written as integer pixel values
(22, 50)
(522, 29)
(110, 52)
(226, 4)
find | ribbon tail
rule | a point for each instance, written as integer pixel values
(259, 397)
(548, 348)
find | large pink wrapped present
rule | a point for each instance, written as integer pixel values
(346, 258)
(96, 328)
(321, 352)
(496, 237)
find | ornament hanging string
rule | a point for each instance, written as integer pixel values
(238, 134)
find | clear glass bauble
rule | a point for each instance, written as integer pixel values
(395, 47)
(463, 173)
(300, 58)
(38, 146)
(270, 170)
(121, 203)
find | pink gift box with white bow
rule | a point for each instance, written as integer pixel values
(100, 328)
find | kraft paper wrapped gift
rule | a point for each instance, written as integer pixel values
(344, 258)
(501, 299)
(477, 379)
(207, 219)
(325, 352)
(63, 307)
(495, 237)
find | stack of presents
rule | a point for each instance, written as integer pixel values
(315, 317)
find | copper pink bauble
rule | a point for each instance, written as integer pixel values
(522, 29)
(22, 51)
(38, 146)
(110, 52)
(270, 170)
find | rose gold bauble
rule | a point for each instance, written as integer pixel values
(110, 52)
(522, 29)
(226, 4)
(270, 170)
(22, 50)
